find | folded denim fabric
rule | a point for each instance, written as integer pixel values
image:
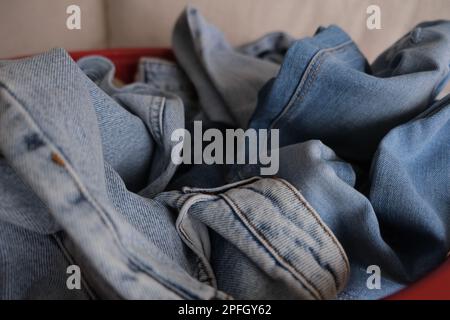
(86, 175)
(325, 89)
(227, 80)
(327, 99)
(62, 127)
(167, 76)
(271, 47)
(334, 114)
(267, 242)
(156, 113)
(218, 84)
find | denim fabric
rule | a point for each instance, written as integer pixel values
(149, 112)
(368, 158)
(62, 132)
(271, 47)
(227, 80)
(32, 263)
(86, 175)
(219, 84)
(267, 241)
(326, 90)
(168, 76)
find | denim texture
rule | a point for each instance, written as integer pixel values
(371, 146)
(227, 79)
(63, 129)
(364, 178)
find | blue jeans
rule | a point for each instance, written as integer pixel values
(337, 115)
(83, 172)
(86, 175)
(369, 147)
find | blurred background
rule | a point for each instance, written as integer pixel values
(33, 26)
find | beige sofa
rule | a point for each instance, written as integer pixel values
(31, 26)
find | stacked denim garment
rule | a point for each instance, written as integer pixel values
(364, 175)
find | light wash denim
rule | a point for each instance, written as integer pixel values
(326, 90)
(167, 76)
(84, 164)
(364, 179)
(368, 148)
(334, 111)
(225, 82)
(227, 79)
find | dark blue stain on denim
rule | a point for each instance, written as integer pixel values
(33, 142)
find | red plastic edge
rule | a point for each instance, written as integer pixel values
(126, 59)
(434, 286)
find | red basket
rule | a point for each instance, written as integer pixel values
(435, 286)
(126, 60)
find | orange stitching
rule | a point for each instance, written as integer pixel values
(58, 160)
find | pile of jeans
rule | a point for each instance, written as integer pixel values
(87, 178)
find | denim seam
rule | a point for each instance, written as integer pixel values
(161, 118)
(323, 227)
(202, 274)
(149, 62)
(71, 260)
(103, 215)
(314, 214)
(301, 94)
(216, 190)
(311, 249)
(183, 213)
(154, 70)
(157, 108)
(307, 79)
(310, 287)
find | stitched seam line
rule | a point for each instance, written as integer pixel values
(161, 117)
(103, 215)
(72, 261)
(156, 117)
(332, 237)
(191, 200)
(319, 222)
(214, 191)
(312, 289)
(311, 249)
(307, 79)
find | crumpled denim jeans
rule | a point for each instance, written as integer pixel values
(87, 176)
(369, 148)
(337, 116)
(84, 166)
